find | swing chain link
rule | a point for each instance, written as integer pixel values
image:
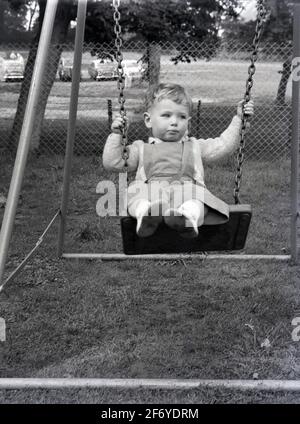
(121, 80)
(261, 15)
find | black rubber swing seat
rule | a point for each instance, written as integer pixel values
(224, 237)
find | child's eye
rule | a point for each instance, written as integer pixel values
(183, 117)
(165, 115)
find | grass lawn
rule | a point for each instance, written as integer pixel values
(187, 319)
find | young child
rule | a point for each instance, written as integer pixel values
(169, 182)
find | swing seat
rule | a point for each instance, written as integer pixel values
(229, 236)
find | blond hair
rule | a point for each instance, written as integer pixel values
(174, 92)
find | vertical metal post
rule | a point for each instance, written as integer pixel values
(26, 132)
(198, 118)
(295, 138)
(109, 113)
(79, 37)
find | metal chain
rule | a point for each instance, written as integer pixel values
(121, 80)
(261, 14)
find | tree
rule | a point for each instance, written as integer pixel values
(181, 21)
(278, 29)
(32, 8)
(66, 11)
(12, 20)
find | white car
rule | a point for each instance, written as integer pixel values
(13, 68)
(133, 71)
(132, 68)
(100, 69)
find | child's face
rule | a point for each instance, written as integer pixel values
(168, 120)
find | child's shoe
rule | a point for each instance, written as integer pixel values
(146, 223)
(186, 219)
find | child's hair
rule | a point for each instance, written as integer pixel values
(170, 91)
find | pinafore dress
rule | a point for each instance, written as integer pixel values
(172, 166)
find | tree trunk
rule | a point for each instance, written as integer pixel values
(60, 30)
(154, 53)
(285, 75)
(3, 5)
(32, 12)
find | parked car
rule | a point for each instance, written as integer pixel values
(13, 67)
(133, 72)
(132, 68)
(101, 69)
(65, 69)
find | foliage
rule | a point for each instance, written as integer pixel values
(278, 27)
(21, 19)
(99, 27)
(178, 21)
(13, 20)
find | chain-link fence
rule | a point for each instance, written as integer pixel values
(216, 83)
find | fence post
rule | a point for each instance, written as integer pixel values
(81, 13)
(109, 113)
(198, 118)
(26, 132)
(295, 138)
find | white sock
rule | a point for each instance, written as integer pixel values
(139, 208)
(193, 210)
(146, 225)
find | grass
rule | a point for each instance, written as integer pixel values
(186, 319)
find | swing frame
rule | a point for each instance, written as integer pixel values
(130, 245)
(25, 137)
(10, 210)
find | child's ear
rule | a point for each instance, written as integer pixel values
(147, 120)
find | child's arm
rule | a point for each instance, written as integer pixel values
(113, 149)
(214, 149)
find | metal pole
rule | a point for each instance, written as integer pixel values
(109, 113)
(295, 140)
(79, 37)
(155, 383)
(198, 118)
(26, 132)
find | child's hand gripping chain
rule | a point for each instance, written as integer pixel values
(248, 110)
(118, 124)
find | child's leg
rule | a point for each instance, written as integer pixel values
(187, 218)
(194, 212)
(147, 223)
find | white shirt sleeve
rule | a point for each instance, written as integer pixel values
(214, 149)
(112, 154)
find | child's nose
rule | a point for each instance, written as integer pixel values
(174, 120)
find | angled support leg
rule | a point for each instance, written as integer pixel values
(26, 132)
